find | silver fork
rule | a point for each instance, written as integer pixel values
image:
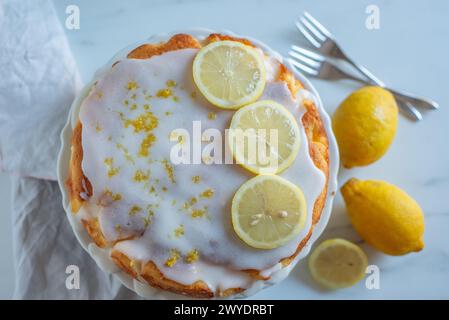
(317, 66)
(325, 43)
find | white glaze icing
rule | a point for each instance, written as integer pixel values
(222, 254)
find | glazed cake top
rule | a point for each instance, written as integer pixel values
(176, 215)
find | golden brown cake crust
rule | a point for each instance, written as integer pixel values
(318, 150)
(213, 37)
(177, 42)
(76, 176)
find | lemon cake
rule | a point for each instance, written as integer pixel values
(170, 213)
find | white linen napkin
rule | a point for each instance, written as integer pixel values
(45, 245)
(38, 81)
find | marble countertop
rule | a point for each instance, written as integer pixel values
(407, 51)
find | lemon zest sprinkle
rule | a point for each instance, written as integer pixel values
(146, 144)
(192, 201)
(169, 170)
(125, 152)
(171, 83)
(113, 196)
(174, 257)
(196, 179)
(134, 210)
(141, 176)
(198, 213)
(211, 115)
(179, 231)
(208, 193)
(112, 171)
(146, 123)
(192, 256)
(164, 93)
(132, 85)
(147, 219)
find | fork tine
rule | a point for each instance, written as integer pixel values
(308, 36)
(311, 63)
(313, 30)
(303, 68)
(317, 24)
(308, 53)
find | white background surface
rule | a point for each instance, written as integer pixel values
(410, 50)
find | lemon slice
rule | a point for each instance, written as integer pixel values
(264, 137)
(229, 74)
(338, 263)
(268, 211)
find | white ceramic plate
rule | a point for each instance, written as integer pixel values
(101, 256)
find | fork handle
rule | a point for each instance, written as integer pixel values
(401, 95)
(365, 72)
(415, 100)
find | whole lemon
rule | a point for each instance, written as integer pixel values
(384, 216)
(365, 125)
